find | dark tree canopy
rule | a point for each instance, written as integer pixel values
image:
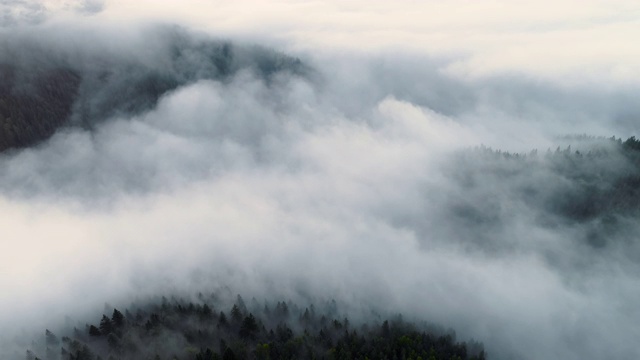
(175, 329)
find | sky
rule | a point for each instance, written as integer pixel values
(576, 40)
(340, 181)
(580, 41)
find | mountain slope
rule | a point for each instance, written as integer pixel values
(45, 88)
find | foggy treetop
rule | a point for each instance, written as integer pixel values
(204, 330)
(300, 159)
(45, 87)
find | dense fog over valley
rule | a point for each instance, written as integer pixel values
(146, 157)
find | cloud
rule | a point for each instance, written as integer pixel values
(17, 11)
(572, 42)
(353, 180)
(28, 12)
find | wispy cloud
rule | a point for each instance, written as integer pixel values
(352, 179)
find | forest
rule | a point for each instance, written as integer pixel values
(37, 98)
(204, 330)
(590, 184)
(593, 183)
(161, 161)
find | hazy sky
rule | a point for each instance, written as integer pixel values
(337, 183)
(578, 40)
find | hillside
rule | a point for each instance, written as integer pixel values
(33, 109)
(204, 330)
(43, 89)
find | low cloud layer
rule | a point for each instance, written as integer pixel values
(354, 180)
(574, 42)
(28, 12)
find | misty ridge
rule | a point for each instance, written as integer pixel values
(212, 328)
(43, 90)
(594, 184)
(170, 163)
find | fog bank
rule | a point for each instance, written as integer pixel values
(354, 179)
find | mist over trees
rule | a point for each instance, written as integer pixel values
(154, 160)
(594, 181)
(30, 112)
(207, 330)
(43, 88)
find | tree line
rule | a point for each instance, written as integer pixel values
(176, 329)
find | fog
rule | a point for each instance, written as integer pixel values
(336, 174)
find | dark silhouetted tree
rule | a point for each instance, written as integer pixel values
(117, 319)
(105, 325)
(222, 319)
(236, 314)
(94, 331)
(249, 327)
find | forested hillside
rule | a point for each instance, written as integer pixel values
(176, 329)
(32, 109)
(592, 184)
(41, 91)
